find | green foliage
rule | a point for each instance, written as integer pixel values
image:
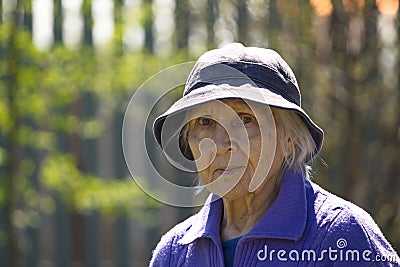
(50, 86)
(87, 193)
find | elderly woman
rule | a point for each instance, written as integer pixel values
(250, 141)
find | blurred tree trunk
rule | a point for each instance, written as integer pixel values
(58, 17)
(353, 165)
(182, 19)
(87, 22)
(339, 155)
(323, 40)
(77, 223)
(212, 13)
(242, 21)
(32, 255)
(359, 72)
(81, 250)
(148, 25)
(395, 166)
(392, 149)
(338, 134)
(118, 26)
(12, 149)
(27, 15)
(274, 24)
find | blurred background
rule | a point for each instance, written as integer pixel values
(68, 69)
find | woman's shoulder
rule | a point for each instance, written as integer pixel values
(328, 206)
(346, 225)
(169, 243)
(179, 230)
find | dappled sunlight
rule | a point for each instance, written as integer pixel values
(322, 8)
(388, 7)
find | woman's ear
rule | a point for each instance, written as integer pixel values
(288, 147)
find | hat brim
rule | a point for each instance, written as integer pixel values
(246, 92)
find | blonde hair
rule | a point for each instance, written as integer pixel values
(293, 128)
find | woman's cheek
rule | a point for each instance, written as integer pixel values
(203, 155)
(255, 149)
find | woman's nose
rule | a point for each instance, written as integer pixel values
(223, 139)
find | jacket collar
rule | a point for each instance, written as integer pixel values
(285, 218)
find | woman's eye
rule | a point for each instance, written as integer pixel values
(247, 119)
(204, 121)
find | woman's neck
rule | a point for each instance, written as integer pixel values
(242, 214)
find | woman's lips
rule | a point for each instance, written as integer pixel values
(229, 170)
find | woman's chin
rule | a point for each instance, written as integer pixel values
(228, 191)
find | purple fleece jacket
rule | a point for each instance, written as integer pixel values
(305, 226)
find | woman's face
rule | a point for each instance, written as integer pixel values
(235, 145)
